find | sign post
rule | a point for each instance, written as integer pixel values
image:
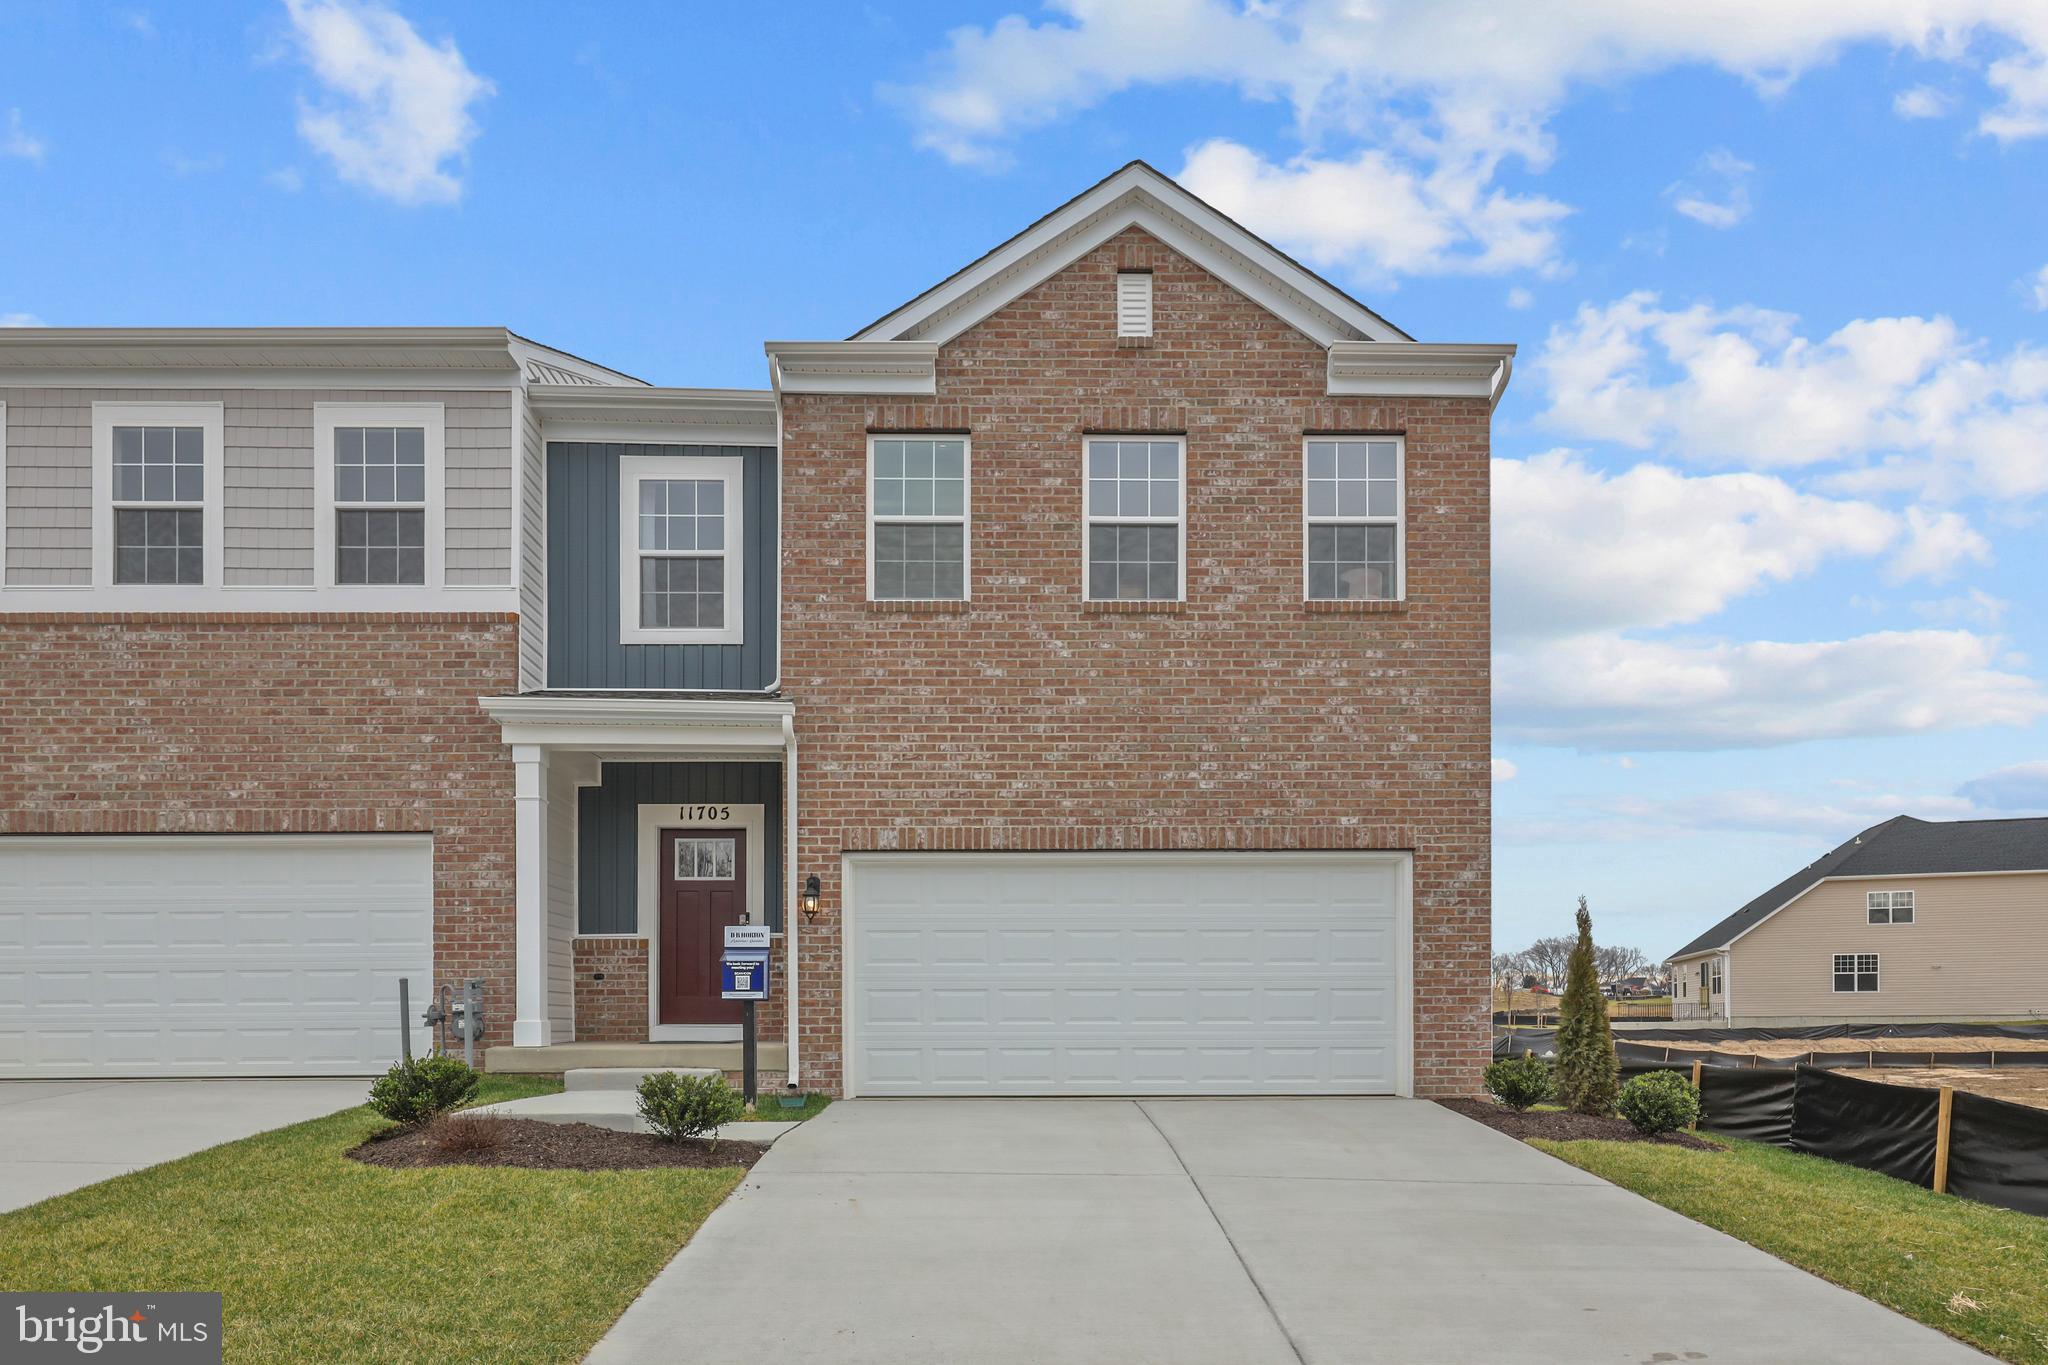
(744, 972)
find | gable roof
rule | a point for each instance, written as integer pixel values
(1901, 846)
(1138, 194)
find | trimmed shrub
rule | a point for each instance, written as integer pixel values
(413, 1092)
(1660, 1102)
(1587, 1071)
(1519, 1082)
(678, 1107)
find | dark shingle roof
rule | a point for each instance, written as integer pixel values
(1901, 846)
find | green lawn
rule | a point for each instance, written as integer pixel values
(1968, 1269)
(768, 1109)
(323, 1259)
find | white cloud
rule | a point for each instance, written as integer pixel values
(1460, 84)
(1381, 213)
(1628, 819)
(2020, 787)
(1911, 402)
(21, 320)
(1609, 693)
(2035, 290)
(287, 178)
(1717, 191)
(1504, 770)
(1520, 298)
(395, 116)
(183, 166)
(1576, 549)
(1922, 101)
(1975, 607)
(1937, 543)
(17, 141)
(139, 23)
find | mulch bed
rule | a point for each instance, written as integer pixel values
(1565, 1127)
(539, 1146)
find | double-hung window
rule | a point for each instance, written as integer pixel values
(156, 518)
(1353, 519)
(681, 521)
(1890, 907)
(918, 518)
(377, 476)
(1855, 972)
(159, 504)
(1136, 523)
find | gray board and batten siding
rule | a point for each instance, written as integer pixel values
(583, 579)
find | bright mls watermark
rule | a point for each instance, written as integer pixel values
(170, 1329)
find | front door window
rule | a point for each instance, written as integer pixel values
(705, 860)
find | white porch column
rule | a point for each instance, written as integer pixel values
(530, 896)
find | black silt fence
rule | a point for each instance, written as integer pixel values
(1998, 1153)
(1890, 1129)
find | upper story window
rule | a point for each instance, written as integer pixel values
(918, 518)
(1890, 907)
(680, 533)
(1353, 519)
(159, 504)
(378, 484)
(157, 496)
(1136, 527)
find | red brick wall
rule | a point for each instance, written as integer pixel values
(246, 724)
(613, 1010)
(1241, 719)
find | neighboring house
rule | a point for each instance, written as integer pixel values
(1083, 670)
(1911, 920)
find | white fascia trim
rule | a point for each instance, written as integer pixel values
(432, 418)
(1141, 196)
(908, 368)
(712, 417)
(1416, 369)
(644, 724)
(405, 380)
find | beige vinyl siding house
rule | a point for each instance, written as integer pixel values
(1860, 937)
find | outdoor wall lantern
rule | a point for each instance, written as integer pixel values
(811, 896)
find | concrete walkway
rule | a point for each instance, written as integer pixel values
(58, 1135)
(1238, 1232)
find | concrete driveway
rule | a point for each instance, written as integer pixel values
(1239, 1232)
(58, 1135)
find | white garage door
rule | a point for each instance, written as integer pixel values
(202, 955)
(1127, 974)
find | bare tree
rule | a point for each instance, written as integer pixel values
(1614, 961)
(1508, 971)
(1548, 957)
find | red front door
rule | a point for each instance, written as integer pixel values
(703, 889)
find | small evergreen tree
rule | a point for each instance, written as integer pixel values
(1587, 1073)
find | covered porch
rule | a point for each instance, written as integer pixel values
(644, 824)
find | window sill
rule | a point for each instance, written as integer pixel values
(1357, 607)
(914, 607)
(1134, 608)
(1134, 343)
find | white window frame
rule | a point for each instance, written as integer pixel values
(433, 418)
(1399, 521)
(1855, 970)
(1912, 907)
(1179, 520)
(966, 517)
(729, 469)
(211, 420)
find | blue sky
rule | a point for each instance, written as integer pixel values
(1770, 480)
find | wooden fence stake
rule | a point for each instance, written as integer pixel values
(1948, 1100)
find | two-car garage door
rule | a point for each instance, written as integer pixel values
(1127, 974)
(203, 955)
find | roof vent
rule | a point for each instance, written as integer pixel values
(1134, 303)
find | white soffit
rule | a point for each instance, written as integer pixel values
(1418, 369)
(1137, 196)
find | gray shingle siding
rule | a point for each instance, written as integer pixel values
(267, 499)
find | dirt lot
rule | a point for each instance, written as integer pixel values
(2016, 1085)
(1527, 1002)
(1799, 1047)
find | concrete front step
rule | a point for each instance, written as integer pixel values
(615, 1109)
(558, 1058)
(624, 1077)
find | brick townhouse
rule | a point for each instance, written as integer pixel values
(1082, 670)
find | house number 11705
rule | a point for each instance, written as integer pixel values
(706, 813)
